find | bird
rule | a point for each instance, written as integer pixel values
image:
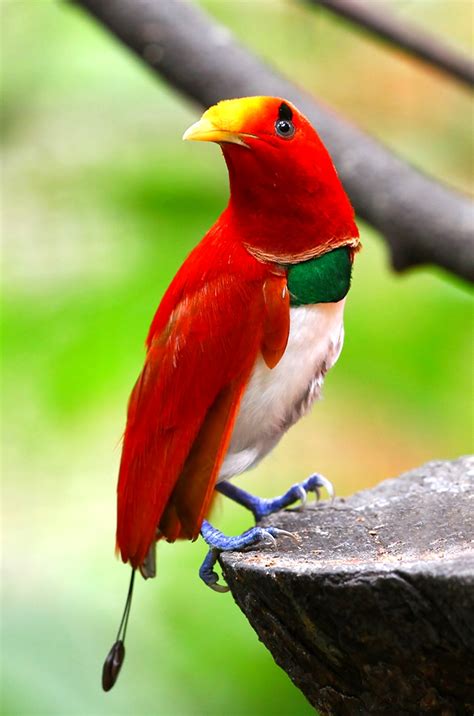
(241, 342)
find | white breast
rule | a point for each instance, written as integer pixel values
(275, 399)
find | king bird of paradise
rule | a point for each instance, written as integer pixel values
(240, 344)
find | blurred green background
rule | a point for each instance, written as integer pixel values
(101, 203)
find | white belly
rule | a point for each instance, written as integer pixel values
(275, 399)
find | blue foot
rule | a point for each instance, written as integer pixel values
(262, 507)
(219, 542)
(207, 574)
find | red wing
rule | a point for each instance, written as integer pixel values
(183, 407)
(191, 498)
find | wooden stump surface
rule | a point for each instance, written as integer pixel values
(373, 610)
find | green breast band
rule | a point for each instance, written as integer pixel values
(325, 279)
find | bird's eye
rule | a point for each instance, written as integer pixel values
(284, 128)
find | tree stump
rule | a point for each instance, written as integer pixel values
(373, 612)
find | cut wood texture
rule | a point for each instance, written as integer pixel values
(373, 611)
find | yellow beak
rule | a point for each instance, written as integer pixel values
(207, 131)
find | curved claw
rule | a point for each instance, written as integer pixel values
(270, 539)
(277, 532)
(219, 587)
(323, 482)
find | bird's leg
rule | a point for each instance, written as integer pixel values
(219, 542)
(261, 507)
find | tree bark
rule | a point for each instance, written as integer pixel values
(373, 612)
(422, 221)
(377, 19)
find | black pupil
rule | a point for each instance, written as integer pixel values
(284, 127)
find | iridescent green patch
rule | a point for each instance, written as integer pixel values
(325, 279)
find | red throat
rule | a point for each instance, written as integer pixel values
(288, 207)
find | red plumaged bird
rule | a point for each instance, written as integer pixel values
(243, 337)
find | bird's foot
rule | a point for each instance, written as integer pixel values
(262, 507)
(219, 542)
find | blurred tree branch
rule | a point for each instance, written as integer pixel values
(377, 19)
(423, 221)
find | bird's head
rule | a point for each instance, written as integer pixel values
(286, 198)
